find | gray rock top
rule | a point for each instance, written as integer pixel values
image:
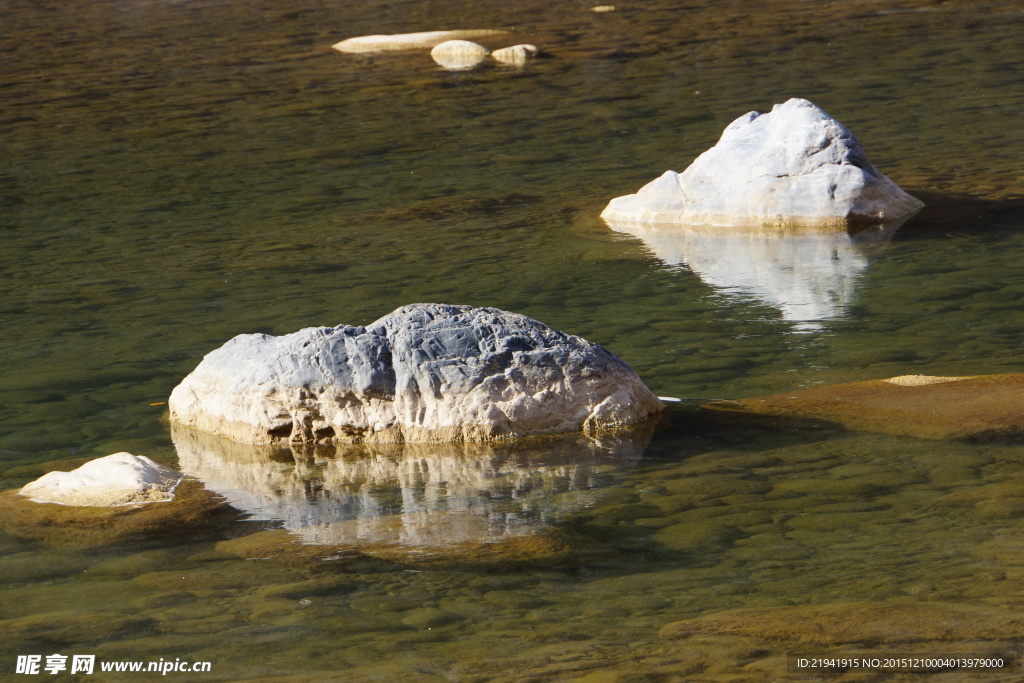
(426, 372)
(794, 165)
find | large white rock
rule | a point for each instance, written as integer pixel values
(424, 373)
(118, 479)
(410, 41)
(795, 165)
(458, 54)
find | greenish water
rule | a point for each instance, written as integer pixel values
(177, 173)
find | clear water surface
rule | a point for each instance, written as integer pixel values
(178, 172)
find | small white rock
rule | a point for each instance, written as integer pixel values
(516, 54)
(458, 54)
(601, 9)
(118, 479)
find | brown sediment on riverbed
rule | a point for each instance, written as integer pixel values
(981, 407)
(82, 527)
(549, 548)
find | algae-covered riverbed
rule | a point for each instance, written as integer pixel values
(177, 173)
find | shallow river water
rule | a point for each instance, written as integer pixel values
(176, 172)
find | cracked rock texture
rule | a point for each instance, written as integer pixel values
(425, 373)
(795, 165)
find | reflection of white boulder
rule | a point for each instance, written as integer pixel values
(808, 276)
(795, 165)
(411, 494)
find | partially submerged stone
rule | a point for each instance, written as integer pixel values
(118, 479)
(410, 41)
(795, 165)
(975, 408)
(457, 55)
(424, 373)
(515, 55)
(192, 510)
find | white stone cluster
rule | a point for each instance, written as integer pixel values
(453, 50)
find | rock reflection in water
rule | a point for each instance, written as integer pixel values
(412, 494)
(809, 276)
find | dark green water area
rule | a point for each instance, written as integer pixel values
(177, 172)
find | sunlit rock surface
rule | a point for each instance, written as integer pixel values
(412, 494)
(795, 165)
(458, 54)
(977, 408)
(424, 373)
(808, 275)
(410, 41)
(118, 479)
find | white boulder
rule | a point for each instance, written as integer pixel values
(459, 54)
(410, 41)
(118, 479)
(793, 166)
(424, 373)
(515, 55)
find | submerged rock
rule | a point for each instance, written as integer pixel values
(458, 54)
(974, 408)
(515, 54)
(410, 41)
(424, 373)
(193, 510)
(552, 547)
(794, 165)
(118, 479)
